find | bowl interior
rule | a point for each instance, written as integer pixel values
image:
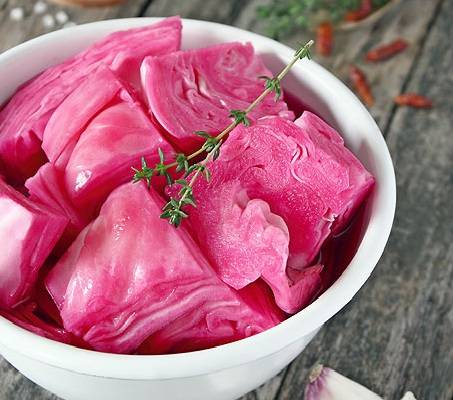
(321, 92)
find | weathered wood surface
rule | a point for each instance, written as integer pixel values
(225, 12)
(15, 32)
(396, 334)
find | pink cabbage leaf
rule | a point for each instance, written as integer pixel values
(130, 275)
(24, 118)
(76, 111)
(47, 187)
(94, 138)
(278, 190)
(113, 142)
(28, 233)
(25, 316)
(201, 86)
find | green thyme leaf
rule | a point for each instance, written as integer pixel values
(210, 142)
(168, 178)
(273, 84)
(203, 134)
(161, 155)
(189, 201)
(216, 150)
(304, 51)
(173, 212)
(145, 173)
(207, 174)
(240, 117)
(161, 168)
(182, 162)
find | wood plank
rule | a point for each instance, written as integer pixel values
(14, 386)
(269, 390)
(211, 10)
(397, 333)
(15, 32)
(402, 20)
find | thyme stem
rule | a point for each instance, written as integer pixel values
(173, 209)
(198, 171)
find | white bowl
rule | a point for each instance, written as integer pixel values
(228, 371)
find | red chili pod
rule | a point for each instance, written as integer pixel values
(413, 100)
(386, 51)
(365, 9)
(361, 85)
(324, 38)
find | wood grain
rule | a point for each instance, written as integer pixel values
(225, 12)
(15, 386)
(396, 335)
(15, 32)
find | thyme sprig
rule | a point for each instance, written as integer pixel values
(174, 210)
(284, 17)
(240, 117)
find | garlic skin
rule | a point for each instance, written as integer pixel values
(327, 384)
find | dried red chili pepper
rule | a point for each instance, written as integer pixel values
(413, 100)
(361, 85)
(324, 38)
(386, 51)
(365, 9)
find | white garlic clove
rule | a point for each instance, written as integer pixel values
(409, 396)
(327, 384)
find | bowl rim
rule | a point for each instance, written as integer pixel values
(305, 322)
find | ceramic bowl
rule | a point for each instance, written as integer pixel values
(228, 371)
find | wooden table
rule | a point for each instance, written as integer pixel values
(397, 334)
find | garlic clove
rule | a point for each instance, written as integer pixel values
(409, 396)
(327, 384)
